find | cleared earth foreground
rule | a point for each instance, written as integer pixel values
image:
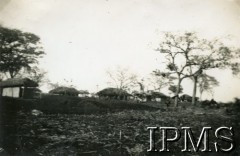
(117, 133)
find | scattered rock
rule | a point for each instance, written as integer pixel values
(35, 112)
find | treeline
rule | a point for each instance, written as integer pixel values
(184, 55)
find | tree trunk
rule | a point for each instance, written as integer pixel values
(176, 93)
(194, 90)
(200, 97)
(11, 74)
(176, 101)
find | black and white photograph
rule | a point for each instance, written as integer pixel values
(120, 77)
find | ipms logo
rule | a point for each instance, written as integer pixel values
(222, 134)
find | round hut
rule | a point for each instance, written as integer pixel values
(65, 91)
(113, 93)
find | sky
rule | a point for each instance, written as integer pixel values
(85, 38)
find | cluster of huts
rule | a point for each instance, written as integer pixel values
(115, 93)
(26, 88)
(70, 91)
(111, 93)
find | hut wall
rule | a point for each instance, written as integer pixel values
(11, 92)
(158, 99)
(29, 93)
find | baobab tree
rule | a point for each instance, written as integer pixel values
(187, 56)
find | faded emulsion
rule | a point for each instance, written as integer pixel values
(190, 144)
(119, 77)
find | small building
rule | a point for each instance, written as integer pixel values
(187, 98)
(65, 91)
(83, 93)
(150, 96)
(138, 96)
(19, 88)
(114, 93)
(158, 97)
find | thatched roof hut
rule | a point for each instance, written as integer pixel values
(113, 93)
(139, 94)
(65, 91)
(18, 82)
(19, 88)
(158, 95)
(150, 95)
(83, 92)
(188, 98)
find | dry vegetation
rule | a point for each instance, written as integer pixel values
(121, 132)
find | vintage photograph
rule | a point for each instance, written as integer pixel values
(119, 77)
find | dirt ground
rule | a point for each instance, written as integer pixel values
(119, 133)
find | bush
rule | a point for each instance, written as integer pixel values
(14, 104)
(63, 104)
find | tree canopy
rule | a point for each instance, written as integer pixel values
(187, 56)
(36, 74)
(206, 83)
(18, 50)
(122, 78)
(158, 82)
(173, 88)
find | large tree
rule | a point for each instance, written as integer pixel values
(158, 81)
(206, 83)
(187, 56)
(209, 55)
(18, 50)
(36, 74)
(235, 63)
(122, 78)
(173, 88)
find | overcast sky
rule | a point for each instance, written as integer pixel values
(84, 38)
